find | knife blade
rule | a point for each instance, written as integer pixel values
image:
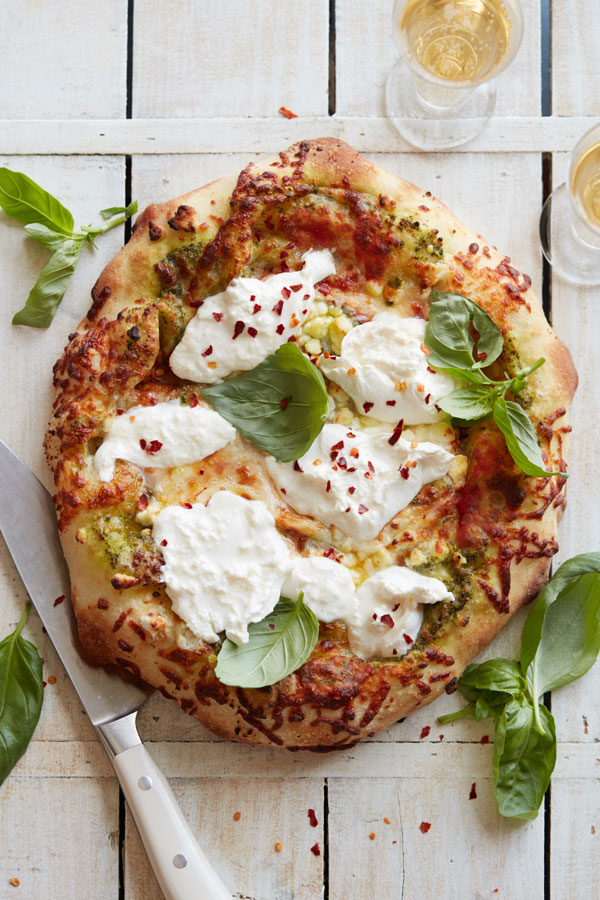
(28, 526)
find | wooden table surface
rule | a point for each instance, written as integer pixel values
(145, 99)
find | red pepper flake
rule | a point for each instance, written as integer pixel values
(44, 683)
(285, 402)
(374, 617)
(237, 816)
(307, 297)
(217, 316)
(386, 820)
(372, 836)
(163, 543)
(315, 849)
(362, 509)
(312, 818)
(351, 490)
(350, 434)
(208, 350)
(285, 292)
(485, 739)
(390, 402)
(187, 505)
(193, 401)
(368, 406)
(284, 254)
(142, 502)
(257, 308)
(327, 487)
(278, 308)
(59, 600)
(120, 412)
(404, 472)
(396, 434)
(481, 355)
(329, 553)
(283, 490)
(387, 620)
(271, 625)
(342, 462)
(473, 791)
(280, 329)
(143, 444)
(425, 826)
(252, 331)
(354, 452)
(238, 328)
(152, 447)
(297, 466)
(278, 847)
(427, 399)
(338, 446)
(15, 882)
(51, 679)
(408, 638)
(102, 603)
(284, 111)
(295, 287)
(425, 731)
(441, 737)
(371, 467)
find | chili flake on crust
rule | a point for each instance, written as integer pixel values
(486, 530)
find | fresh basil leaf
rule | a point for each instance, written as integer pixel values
(21, 695)
(277, 646)
(48, 291)
(520, 438)
(490, 341)
(118, 210)
(46, 236)
(568, 572)
(448, 333)
(280, 406)
(469, 404)
(24, 200)
(523, 759)
(488, 686)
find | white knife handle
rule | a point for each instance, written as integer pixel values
(181, 868)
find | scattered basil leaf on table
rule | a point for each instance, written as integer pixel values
(21, 695)
(277, 646)
(280, 406)
(48, 222)
(560, 642)
(24, 200)
(462, 339)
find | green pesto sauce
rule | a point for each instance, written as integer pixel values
(117, 539)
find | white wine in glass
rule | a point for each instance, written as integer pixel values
(570, 221)
(440, 94)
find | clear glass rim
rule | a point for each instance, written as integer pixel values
(584, 143)
(516, 33)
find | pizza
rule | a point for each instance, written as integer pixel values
(192, 505)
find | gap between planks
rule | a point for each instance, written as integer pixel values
(73, 137)
(191, 759)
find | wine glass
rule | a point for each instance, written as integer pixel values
(441, 92)
(570, 220)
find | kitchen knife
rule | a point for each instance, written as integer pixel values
(28, 525)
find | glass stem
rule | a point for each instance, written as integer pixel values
(436, 97)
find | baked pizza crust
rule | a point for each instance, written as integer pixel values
(335, 699)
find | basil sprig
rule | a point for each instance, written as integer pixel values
(277, 646)
(560, 642)
(462, 340)
(21, 695)
(280, 406)
(50, 224)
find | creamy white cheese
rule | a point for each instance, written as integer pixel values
(224, 564)
(237, 328)
(168, 434)
(327, 585)
(384, 369)
(357, 480)
(390, 611)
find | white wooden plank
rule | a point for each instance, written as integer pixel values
(59, 837)
(575, 317)
(273, 811)
(230, 58)
(575, 60)
(575, 837)
(367, 48)
(64, 59)
(510, 134)
(185, 759)
(463, 854)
